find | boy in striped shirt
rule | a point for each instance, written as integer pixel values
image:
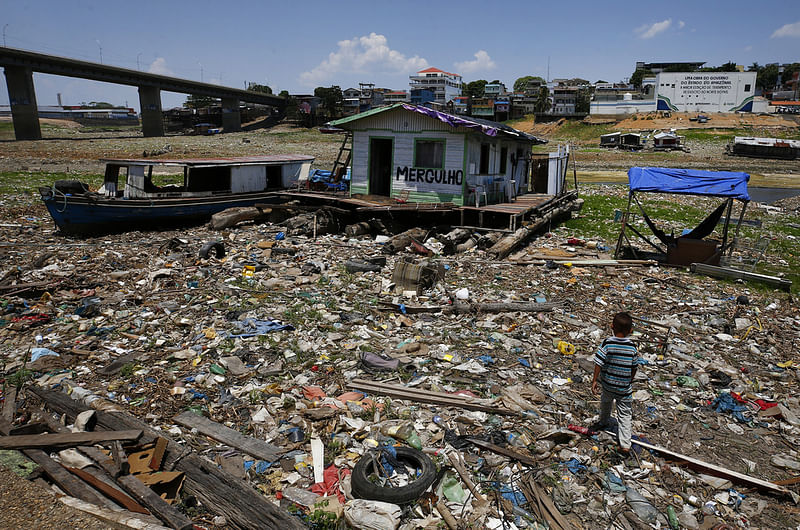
(615, 363)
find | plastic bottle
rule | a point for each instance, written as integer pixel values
(673, 518)
(405, 431)
(641, 506)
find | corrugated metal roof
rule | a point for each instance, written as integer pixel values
(490, 128)
(232, 161)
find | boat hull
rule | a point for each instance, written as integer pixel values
(92, 215)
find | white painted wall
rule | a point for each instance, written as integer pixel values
(134, 187)
(294, 172)
(248, 178)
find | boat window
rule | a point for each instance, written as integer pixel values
(209, 179)
(110, 185)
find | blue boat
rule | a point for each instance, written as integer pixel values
(208, 186)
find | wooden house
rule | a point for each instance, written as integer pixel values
(424, 155)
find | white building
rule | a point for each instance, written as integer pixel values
(706, 91)
(685, 92)
(444, 85)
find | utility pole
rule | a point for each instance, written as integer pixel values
(137, 60)
(201, 71)
(4, 35)
(101, 50)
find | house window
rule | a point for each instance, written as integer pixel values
(503, 160)
(747, 87)
(483, 167)
(429, 154)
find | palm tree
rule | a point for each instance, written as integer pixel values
(755, 67)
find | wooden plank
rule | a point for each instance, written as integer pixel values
(528, 461)
(715, 470)
(66, 480)
(158, 454)
(229, 437)
(36, 441)
(425, 396)
(141, 492)
(109, 491)
(9, 409)
(117, 518)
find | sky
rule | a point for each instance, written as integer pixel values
(297, 47)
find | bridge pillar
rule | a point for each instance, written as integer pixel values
(231, 117)
(152, 118)
(21, 95)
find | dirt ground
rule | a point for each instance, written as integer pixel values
(151, 294)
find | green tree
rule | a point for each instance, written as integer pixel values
(194, 101)
(542, 104)
(755, 67)
(583, 100)
(100, 105)
(730, 66)
(474, 89)
(600, 81)
(255, 87)
(495, 82)
(522, 82)
(332, 99)
(638, 75)
(767, 77)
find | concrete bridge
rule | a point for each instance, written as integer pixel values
(19, 66)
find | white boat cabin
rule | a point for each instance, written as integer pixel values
(203, 177)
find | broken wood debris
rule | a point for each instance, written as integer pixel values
(229, 437)
(35, 441)
(233, 498)
(427, 396)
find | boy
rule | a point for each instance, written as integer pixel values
(615, 362)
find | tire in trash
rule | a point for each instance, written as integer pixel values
(363, 488)
(216, 246)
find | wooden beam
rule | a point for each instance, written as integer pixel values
(734, 274)
(426, 396)
(118, 518)
(247, 444)
(36, 441)
(715, 470)
(66, 480)
(109, 491)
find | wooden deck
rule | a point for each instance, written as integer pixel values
(505, 216)
(518, 210)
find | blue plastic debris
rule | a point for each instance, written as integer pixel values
(38, 353)
(726, 403)
(252, 327)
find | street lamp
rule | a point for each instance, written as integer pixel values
(101, 50)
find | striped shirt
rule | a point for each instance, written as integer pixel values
(617, 357)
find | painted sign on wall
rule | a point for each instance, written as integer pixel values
(441, 180)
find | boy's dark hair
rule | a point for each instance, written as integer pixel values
(623, 323)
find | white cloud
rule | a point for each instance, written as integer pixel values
(159, 66)
(787, 30)
(648, 31)
(681, 24)
(748, 48)
(369, 54)
(481, 62)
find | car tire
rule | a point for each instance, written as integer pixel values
(363, 488)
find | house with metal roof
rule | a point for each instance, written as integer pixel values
(423, 155)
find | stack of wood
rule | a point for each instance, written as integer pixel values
(112, 483)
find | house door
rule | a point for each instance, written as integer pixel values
(380, 166)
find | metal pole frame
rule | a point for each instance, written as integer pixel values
(624, 224)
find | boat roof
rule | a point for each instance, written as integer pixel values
(209, 162)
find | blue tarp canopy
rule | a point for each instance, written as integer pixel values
(689, 182)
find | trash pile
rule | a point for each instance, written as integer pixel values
(256, 378)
